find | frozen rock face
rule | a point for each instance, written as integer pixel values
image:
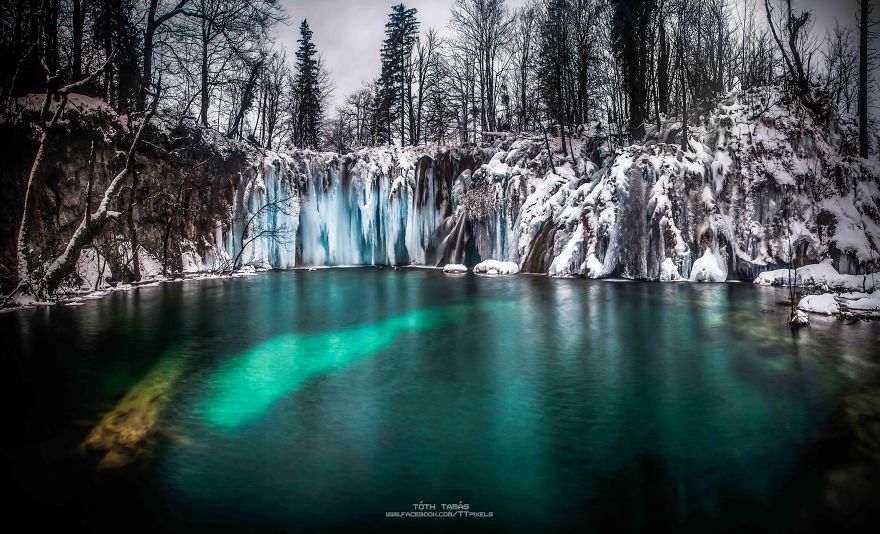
(187, 179)
(757, 189)
(757, 181)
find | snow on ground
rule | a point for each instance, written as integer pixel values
(820, 275)
(92, 269)
(825, 304)
(857, 304)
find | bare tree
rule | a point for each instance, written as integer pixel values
(46, 127)
(425, 55)
(154, 21)
(796, 28)
(524, 53)
(864, 59)
(257, 226)
(483, 27)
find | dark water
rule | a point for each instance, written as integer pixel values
(314, 400)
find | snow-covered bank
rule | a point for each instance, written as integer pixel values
(78, 296)
(840, 294)
(820, 276)
(862, 305)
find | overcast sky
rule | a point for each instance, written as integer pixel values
(349, 33)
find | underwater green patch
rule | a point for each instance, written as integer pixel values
(250, 383)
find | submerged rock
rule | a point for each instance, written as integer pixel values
(127, 434)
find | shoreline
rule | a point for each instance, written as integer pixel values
(76, 299)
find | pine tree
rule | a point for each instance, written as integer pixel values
(307, 122)
(401, 32)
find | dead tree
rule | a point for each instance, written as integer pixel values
(254, 227)
(54, 271)
(795, 23)
(864, 22)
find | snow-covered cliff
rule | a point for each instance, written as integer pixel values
(759, 184)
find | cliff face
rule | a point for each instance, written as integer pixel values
(759, 183)
(187, 178)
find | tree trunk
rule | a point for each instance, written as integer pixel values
(205, 99)
(78, 23)
(863, 79)
(147, 74)
(91, 224)
(684, 114)
(30, 192)
(663, 70)
(132, 229)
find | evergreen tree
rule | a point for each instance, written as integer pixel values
(307, 120)
(401, 32)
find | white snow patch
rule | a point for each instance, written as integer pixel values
(709, 268)
(825, 304)
(454, 268)
(496, 267)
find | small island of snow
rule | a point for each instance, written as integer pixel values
(455, 268)
(496, 267)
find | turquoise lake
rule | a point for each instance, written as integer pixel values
(325, 399)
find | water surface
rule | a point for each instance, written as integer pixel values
(325, 399)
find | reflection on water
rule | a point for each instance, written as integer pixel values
(324, 399)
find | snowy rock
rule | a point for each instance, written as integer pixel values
(496, 267)
(867, 306)
(799, 318)
(821, 275)
(454, 268)
(825, 304)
